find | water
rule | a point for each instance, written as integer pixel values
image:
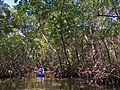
(31, 83)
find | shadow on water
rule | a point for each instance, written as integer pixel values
(32, 83)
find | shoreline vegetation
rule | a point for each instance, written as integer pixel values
(11, 72)
(98, 75)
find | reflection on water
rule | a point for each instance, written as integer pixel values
(31, 83)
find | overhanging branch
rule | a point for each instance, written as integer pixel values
(108, 15)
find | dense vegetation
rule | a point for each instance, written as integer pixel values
(71, 37)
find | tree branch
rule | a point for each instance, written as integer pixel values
(117, 15)
(108, 15)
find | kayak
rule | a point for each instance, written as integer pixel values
(39, 74)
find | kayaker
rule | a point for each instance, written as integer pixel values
(39, 74)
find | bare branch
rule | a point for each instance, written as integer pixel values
(108, 16)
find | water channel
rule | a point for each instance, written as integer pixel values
(50, 83)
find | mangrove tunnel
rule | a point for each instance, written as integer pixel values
(73, 39)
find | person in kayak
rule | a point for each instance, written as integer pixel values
(39, 74)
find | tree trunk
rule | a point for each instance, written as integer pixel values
(106, 49)
(62, 37)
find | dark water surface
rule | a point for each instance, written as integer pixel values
(31, 83)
